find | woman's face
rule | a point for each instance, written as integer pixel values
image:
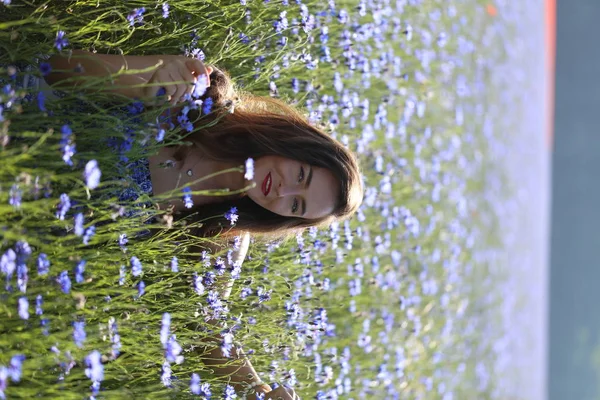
(293, 189)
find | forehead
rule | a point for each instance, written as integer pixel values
(322, 193)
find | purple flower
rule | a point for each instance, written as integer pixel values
(264, 295)
(136, 266)
(64, 281)
(63, 206)
(23, 308)
(45, 68)
(165, 328)
(60, 40)
(22, 277)
(165, 8)
(78, 228)
(38, 305)
(43, 264)
(249, 175)
(173, 350)
(198, 286)
(141, 289)
(166, 374)
(227, 344)
(89, 232)
(207, 106)
(229, 393)
(136, 16)
(79, 334)
(123, 240)
(200, 88)
(94, 368)
(92, 174)
(231, 215)
(8, 262)
(41, 101)
(79, 270)
(122, 275)
(15, 368)
(187, 197)
(246, 291)
(174, 264)
(209, 278)
(195, 384)
(15, 195)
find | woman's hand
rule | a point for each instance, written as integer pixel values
(280, 393)
(177, 77)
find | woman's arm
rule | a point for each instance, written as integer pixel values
(242, 374)
(99, 65)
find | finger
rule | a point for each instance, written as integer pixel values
(179, 92)
(190, 81)
(198, 68)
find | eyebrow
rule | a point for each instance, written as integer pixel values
(308, 179)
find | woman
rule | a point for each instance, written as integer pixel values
(302, 176)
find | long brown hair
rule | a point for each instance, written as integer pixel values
(248, 126)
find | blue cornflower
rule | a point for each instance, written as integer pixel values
(15, 367)
(136, 266)
(38, 305)
(213, 301)
(227, 343)
(79, 270)
(195, 384)
(249, 175)
(244, 38)
(220, 266)
(79, 334)
(236, 270)
(198, 286)
(8, 263)
(60, 40)
(115, 338)
(23, 308)
(207, 106)
(41, 101)
(173, 350)
(92, 174)
(22, 277)
(160, 136)
(78, 228)
(136, 16)
(209, 278)
(165, 328)
(123, 239)
(64, 281)
(205, 258)
(43, 264)
(122, 275)
(15, 195)
(67, 147)
(94, 368)
(246, 291)
(199, 90)
(165, 8)
(264, 295)
(89, 232)
(44, 322)
(45, 68)
(187, 197)
(174, 264)
(166, 374)
(229, 393)
(141, 289)
(231, 215)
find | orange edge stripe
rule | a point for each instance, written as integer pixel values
(550, 39)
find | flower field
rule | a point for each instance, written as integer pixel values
(399, 302)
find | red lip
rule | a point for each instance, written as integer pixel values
(266, 185)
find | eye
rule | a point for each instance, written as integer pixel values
(301, 177)
(295, 206)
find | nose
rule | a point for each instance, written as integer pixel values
(287, 190)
